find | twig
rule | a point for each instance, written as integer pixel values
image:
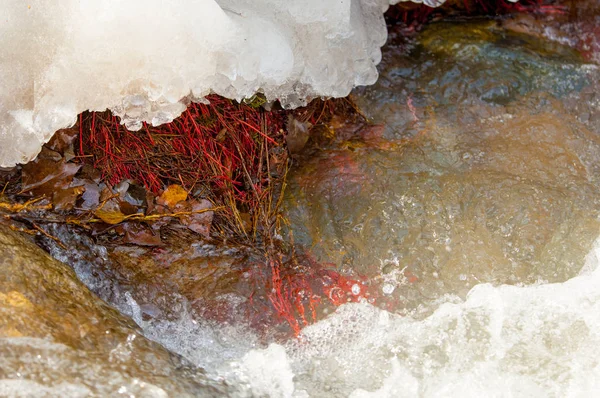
(18, 207)
(49, 236)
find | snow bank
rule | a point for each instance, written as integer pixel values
(145, 59)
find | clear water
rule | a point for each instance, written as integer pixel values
(458, 186)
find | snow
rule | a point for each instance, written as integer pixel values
(146, 59)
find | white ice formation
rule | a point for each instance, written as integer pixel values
(146, 59)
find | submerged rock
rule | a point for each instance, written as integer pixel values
(483, 170)
(58, 339)
(462, 69)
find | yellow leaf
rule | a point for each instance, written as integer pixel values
(173, 195)
(111, 217)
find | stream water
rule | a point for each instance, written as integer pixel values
(470, 209)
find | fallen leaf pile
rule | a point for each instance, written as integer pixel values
(226, 165)
(57, 188)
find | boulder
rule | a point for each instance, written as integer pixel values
(59, 339)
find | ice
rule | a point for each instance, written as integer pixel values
(146, 59)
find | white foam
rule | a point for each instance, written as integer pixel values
(520, 341)
(267, 373)
(541, 340)
(209, 345)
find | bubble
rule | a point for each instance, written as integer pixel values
(388, 288)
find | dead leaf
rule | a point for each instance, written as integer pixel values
(297, 134)
(127, 208)
(110, 213)
(62, 140)
(247, 224)
(47, 153)
(69, 154)
(110, 217)
(45, 176)
(199, 222)
(90, 173)
(140, 235)
(65, 199)
(91, 196)
(149, 201)
(172, 195)
(106, 194)
(222, 134)
(135, 195)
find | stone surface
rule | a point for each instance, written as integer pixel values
(59, 339)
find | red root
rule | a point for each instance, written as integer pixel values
(417, 15)
(294, 292)
(206, 144)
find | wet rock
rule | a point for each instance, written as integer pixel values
(511, 202)
(576, 24)
(185, 278)
(456, 65)
(59, 339)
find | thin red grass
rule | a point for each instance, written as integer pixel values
(417, 15)
(297, 292)
(217, 147)
(224, 147)
(199, 147)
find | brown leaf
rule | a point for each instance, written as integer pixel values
(47, 153)
(62, 140)
(149, 202)
(135, 195)
(222, 134)
(45, 176)
(65, 199)
(127, 208)
(247, 224)
(140, 235)
(199, 222)
(172, 195)
(90, 173)
(106, 194)
(297, 134)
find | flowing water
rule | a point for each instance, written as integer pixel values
(469, 208)
(479, 173)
